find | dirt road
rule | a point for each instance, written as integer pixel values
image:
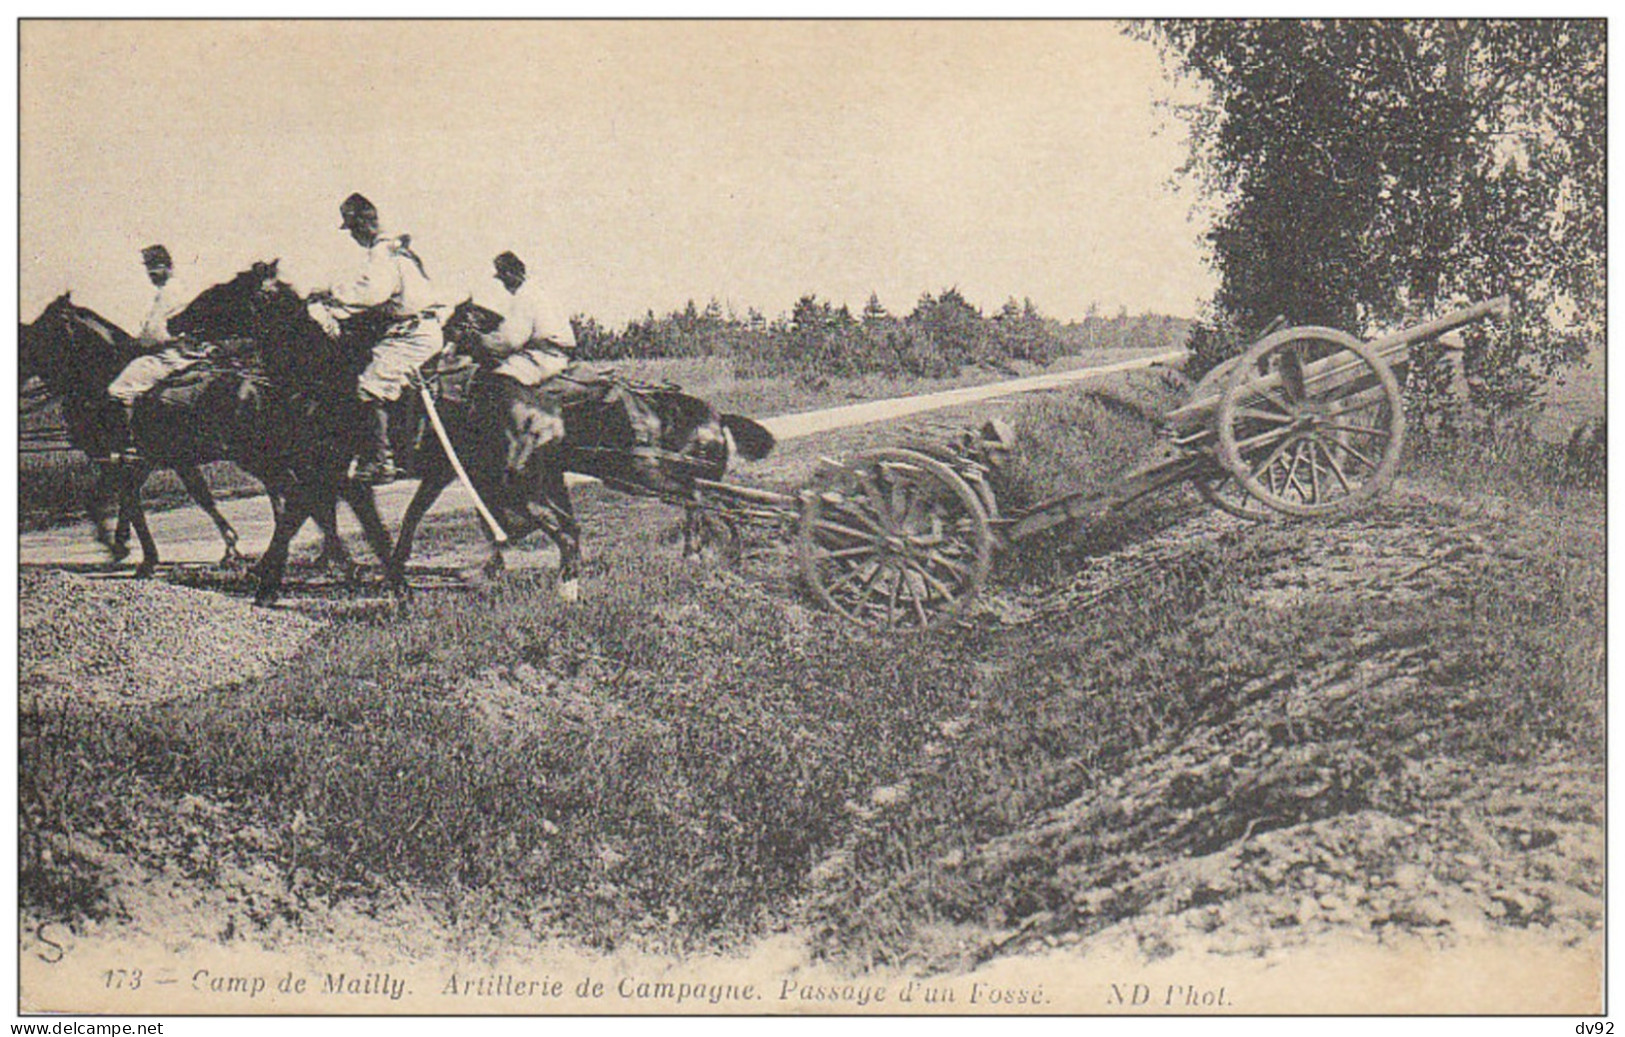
(186, 534)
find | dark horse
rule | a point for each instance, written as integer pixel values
(516, 444)
(311, 425)
(218, 415)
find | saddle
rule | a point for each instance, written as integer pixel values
(235, 357)
(628, 416)
(449, 378)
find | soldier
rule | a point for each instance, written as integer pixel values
(168, 355)
(534, 342)
(391, 282)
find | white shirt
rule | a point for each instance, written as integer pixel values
(530, 319)
(169, 301)
(389, 280)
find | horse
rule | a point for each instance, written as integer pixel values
(76, 353)
(517, 442)
(316, 426)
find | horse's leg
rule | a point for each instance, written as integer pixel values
(275, 560)
(720, 530)
(121, 535)
(335, 556)
(365, 505)
(195, 484)
(105, 489)
(707, 528)
(691, 532)
(130, 510)
(428, 492)
(558, 519)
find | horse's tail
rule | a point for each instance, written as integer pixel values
(752, 438)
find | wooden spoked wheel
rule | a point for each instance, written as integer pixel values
(894, 539)
(1311, 422)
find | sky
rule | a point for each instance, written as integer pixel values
(633, 165)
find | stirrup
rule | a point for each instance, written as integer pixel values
(377, 473)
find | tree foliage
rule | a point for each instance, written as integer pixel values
(818, 339)
(1372, 172)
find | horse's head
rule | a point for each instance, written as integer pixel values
(236, 309)
(68, 344)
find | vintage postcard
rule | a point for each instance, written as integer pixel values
(812, 517)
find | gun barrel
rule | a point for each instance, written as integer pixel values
(1390, 346)
(1192, 422)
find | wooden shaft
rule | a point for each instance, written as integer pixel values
(1091, 505)
(748, 493)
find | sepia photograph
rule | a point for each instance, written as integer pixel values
(811, 517)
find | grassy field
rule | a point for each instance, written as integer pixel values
(694, 757)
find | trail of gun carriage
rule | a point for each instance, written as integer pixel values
(938, 644)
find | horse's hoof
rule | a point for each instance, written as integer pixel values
(117, 550)
(570, 591)
(145, 570)
(264, 600)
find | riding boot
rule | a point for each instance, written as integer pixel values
(379, 468)
(128, 452)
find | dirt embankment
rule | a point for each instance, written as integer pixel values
(1351, 794)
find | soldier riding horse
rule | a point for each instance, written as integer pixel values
(516, 442)
(217, 412)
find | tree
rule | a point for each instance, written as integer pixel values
(1371, 172)
(873, 311)
(952, 324)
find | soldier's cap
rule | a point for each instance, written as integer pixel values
(156, 255)
(508, 263)
(355, 209)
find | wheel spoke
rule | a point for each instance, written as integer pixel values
(903, 503)
(919, 609)
(852, 510)
(1355, 453)
(941, 588)
(853, 572)
(1262, 439)
(1337, 469)
(850, 552)
(826, 526)
(1314, 466)
(943, 560)
(877, 500)
(1263, 415)
(1291, 478)
(1360, 430)
(1271, 460)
